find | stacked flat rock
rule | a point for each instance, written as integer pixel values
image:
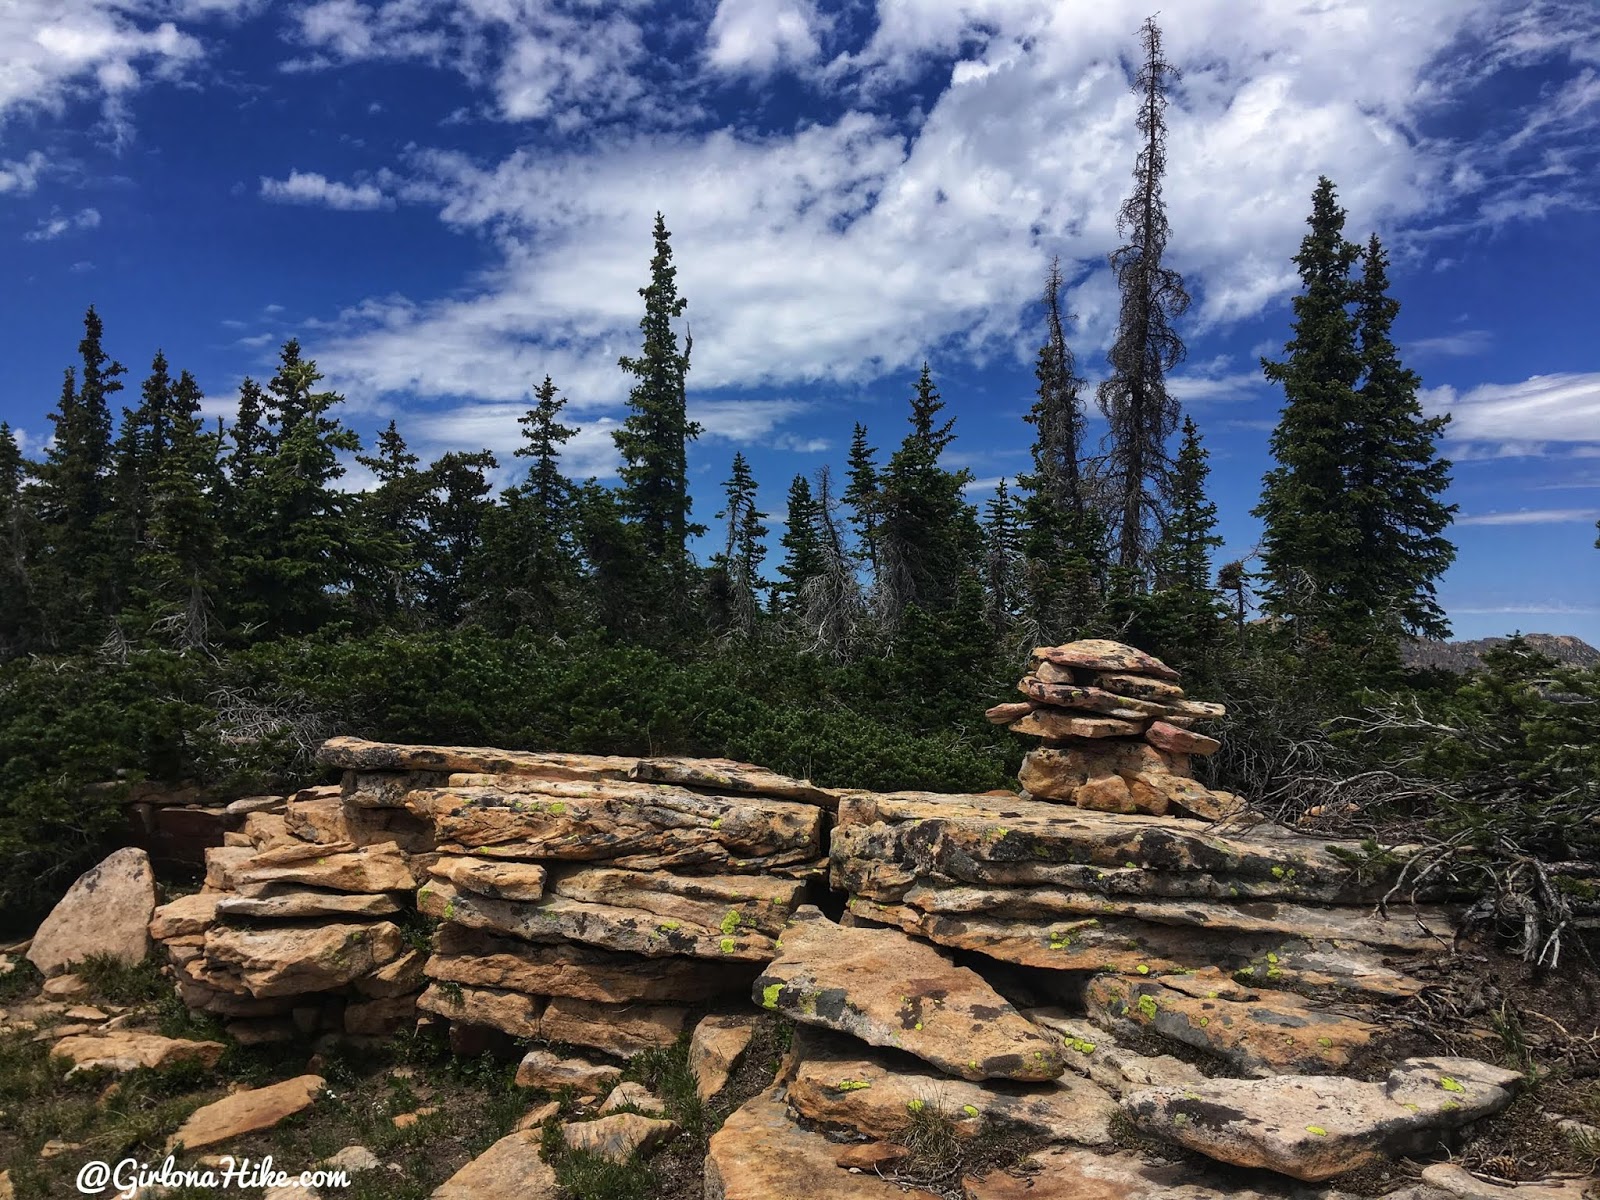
(591, 900)
(1116, 731)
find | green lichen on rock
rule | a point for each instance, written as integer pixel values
(730, 923)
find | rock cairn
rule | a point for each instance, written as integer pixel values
(584, 900)
(1116, 730)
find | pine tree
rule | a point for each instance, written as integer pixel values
(457, 489)
(1181, 616)
(1309, 539)
(395, 514)
(654, 438)
(1395, 477)
(928, 534)
(19, 616)
(736, 581)
(862, 494)
(1002, 559)
(1140, 413)
(1062, 535)
(831, 611)
(802, 548)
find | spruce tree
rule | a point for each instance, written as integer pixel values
(1309, 540)
(1002, 559)
(862, 494)
(19, 618)
(928, 533)
(736, 581)
(654, 438)
(1181, 616)
(1141, 414)
(395, 514)
(1062, 535)
(802, 547)
(1395, 477)
(457, 490)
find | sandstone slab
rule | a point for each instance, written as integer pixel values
(1319, 1127)
(837, 1081)
(760, 1154)
(728, 903)
(1453, 1181)
(1061, 725)
(1141, 687)
(1089, 699)
(557, 919)
(882, 987)
(1095, 1052)
(337, 866)
(395, 978)
(509, 1012)
(618, 1137)
(483, 959)
(1101, 654)
(106, 911)
(511, 1169)
(386, 789)
(280, 902)
(716, 1047)
(122, 1050)
(356, 754)
(185, 916)
(542, 1069)
(632, 1095)
(289, 960)
(1174, 740)
(620, 1030)
(497, 880)
(1004, 714)
(725, 775)
(1071, 1174)
(246, 1112)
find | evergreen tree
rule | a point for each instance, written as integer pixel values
(736, 581)
(1181, 616)
(1140, 413)
(862, 494)
(654, 438)
(928, 535)
(1308, 539)
(830, 607)
(1062, 535)
(18, 607)
(1001, 559)
(1395, 477)
(395, 513)
(802, 547)
(141, 445)
(457, 490)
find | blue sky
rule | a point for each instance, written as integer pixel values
(447, 199)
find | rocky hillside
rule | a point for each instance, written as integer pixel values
(1462, 657)
(685, 979)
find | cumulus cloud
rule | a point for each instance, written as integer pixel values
(310, 187)
(57, 225)
(19, 177)
(756, 35)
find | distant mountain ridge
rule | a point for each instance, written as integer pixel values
(1462, 657)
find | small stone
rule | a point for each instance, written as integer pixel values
(246, 1112)
(408, 1119)
(536, 1117)
(66, 987)
(497, 880)
(1108, 793)
(633, 1095)
(870, 1156)
(56, 1147)
(185, 916)
(618, 1137)
(1461, 1184)
(106, 912)
(127, 1051)
(1174, 740)
(353, 1159)
(714, 1051)
(84, 1012)
(511, 1169)
(542, 1069)
(1100, 654)
(1004, 714)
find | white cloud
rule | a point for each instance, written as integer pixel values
(1523, 416)
(309, 187)
(56, 51)
(56, 225)
(756, 35)
(19, 177)
(1464, 344)
(1533, 516)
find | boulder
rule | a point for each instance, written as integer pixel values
(760, 1154)
(719, 1042)
(1073, 1174)
(482, 959)
(882, 987)
(631, 1095)
(1319, 1127)
(618, 1137)
(246, 1112)
(106, 912)
(122, 1050)
(542, 1069)
(290, 960)
(497, 880)
(1099, 654)
(838, 1081)
(511, 1169)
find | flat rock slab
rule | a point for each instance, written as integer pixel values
(1090, 699)
(1096, 1053)
(760, 1154)
(276, 902)
(481, 958)
(1054, 724)
(1261, 1032)
(287, 961)
(632, 1095)
(882, 987)
(497, 880)
(338, 867)
(1174, 740)
(838, 1081)
(510, 1012)
(725, 775)
(618, 1137)
(121, 1051)
(630, 824)
(511, 1169)
(185, 916)
(247, 1111)
(106, 911)
(716, 1047)
(356, 754)
(1070, 1174)
(620, 1030)
(1455, 1182)
(727, 903)
(543, 1069)
(1319, 1127)
(557, 919)
(1101, 654)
